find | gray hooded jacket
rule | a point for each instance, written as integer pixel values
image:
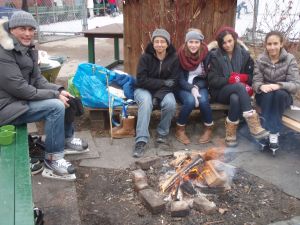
(20, 77)
(285, 72)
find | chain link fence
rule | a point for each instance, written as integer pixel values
(59, 19)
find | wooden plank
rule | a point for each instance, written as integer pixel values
(23, 186)
(290, 123)
(214, 106)
(7, 172)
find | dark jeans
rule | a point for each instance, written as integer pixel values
(272, 106)
(236, 96)
(188, 104)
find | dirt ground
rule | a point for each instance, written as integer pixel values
(106, 197)
(251, 201)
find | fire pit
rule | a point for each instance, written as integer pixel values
(186, 182)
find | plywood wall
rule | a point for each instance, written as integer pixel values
(141, 17)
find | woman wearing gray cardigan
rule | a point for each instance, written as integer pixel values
(276, 78)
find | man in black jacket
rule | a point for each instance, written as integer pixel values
(157, 75)
(26, 96)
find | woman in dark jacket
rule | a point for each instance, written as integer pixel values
(229, 77)
(193, 85)
(276, 78)
(157, 75)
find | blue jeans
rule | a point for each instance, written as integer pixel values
(272, 106)
(188, 104)
(143, 99)
(53, 112)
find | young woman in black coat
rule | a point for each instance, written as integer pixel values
(229, 78)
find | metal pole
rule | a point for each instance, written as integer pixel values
(255, 14)
(84, 16)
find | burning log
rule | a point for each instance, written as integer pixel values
(212, 177)
(183, 171)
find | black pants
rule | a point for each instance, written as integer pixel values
(272, 106)
(238, 99)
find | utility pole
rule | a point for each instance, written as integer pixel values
(255, 15)
(84, 16)
(24, 5)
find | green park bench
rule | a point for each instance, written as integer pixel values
(16, 205)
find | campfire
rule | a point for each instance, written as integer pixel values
(189, 177)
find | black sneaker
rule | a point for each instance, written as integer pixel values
(264, 143)
(36, 166)
(139, 149)
(161, 139)
(36, 147)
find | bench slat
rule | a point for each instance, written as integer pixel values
(290, 123)
(23, 187)
(7, 173)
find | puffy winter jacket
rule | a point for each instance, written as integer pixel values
(151, 72)
(285, 72)
(20, 77)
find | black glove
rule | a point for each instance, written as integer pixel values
(169, 82)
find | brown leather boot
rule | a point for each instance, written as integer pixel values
(230, 138)
(207, 134)
(127, 128)
(180, 135)
(254, 125)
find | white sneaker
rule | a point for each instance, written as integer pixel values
(75, 146)
(274, 142)
(60, 167)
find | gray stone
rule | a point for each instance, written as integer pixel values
(180, 209)
(152, 201)
(147, 162)
(202, 204)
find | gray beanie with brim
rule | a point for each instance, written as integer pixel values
(193, 35)
(22, 19)
(161, 33)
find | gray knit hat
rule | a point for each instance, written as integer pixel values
(22, 19)
(161, 33)
(193, 35)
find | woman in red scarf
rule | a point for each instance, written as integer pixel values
(193, 91)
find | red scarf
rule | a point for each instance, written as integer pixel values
(190, 61)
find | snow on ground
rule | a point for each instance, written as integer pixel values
(75, 26)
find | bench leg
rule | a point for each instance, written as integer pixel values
(99, 119)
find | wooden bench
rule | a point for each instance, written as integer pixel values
(16, 205)
(99, 117)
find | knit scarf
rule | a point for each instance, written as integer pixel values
(233, 65)
(190, 61)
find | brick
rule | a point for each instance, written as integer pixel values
(212, 177)
(152, 201)
(140, 185)
(139, 175)
(202, 204)
(147, 162)
(180, 209)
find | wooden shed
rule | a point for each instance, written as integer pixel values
(141, 17)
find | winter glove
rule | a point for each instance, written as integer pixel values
(195, 93)
(249, 89)
(237, 77)
(169, 82)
